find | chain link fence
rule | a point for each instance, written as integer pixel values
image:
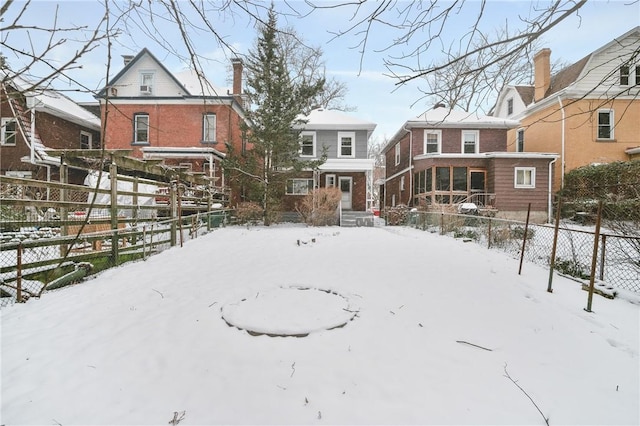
(618, 263)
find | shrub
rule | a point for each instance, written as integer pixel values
(318, 208)
(249, 212)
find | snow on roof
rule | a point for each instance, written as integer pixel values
(57, 104)
(326, 119)
(200, 85)
(443, 117)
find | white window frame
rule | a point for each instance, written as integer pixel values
(208, 128)
(509, 106)
(297, 186)
(401, 183)
(476, 144)
(147, 80)
(350, 135)
(313, 141)
(520, 179)
(625, 74)
(330, 181)
(397, 153)
(135, 129)
(89, 139)
(520, 140)
(611, 125)
(438, 134)
(3, 133)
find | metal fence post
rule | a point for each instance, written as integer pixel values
(552, 263)
(594, 258)
(113, 171)
(602, 256)
(489, 235)
(524, 239)
(19, 273)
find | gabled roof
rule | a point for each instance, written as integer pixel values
(326, 119)
(131, 63)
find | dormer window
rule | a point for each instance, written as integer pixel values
(146, 83)
(509, 106)
(624, 75)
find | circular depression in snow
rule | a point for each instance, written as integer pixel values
(289, 311)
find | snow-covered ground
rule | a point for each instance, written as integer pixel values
(402, 327)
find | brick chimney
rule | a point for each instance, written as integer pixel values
(237, 76)
(542, 73)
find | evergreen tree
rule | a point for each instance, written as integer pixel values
(277, 103)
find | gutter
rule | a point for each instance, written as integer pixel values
(563, 163)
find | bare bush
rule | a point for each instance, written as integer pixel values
(318, 208)
(249, 212)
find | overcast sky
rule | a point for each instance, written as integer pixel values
(376, 96)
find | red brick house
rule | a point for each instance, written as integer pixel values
(180, 120)
(34, 120)
(444, 158)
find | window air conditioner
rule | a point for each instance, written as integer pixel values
(145, 89)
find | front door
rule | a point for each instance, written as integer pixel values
(346, 185)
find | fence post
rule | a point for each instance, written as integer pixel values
(19, 273)
(552, 262)
(113, 172)
(524, 238)
(602, 256)
(594, 258)
(442, 223)
(173, 211)
(64, 215)
(489, 235)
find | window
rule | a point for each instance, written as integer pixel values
(308, 144)
(525, 177)
(459, 178)
(8, 134)
(637, 75)
(401, 183)
(432, 140)
(299, 186)
(209, 128)
(397, 152)
(605, 124)
(624, 75)
(470, 141)
(509, 106)
(346, 144)
(86, 140)
(146, 82)
(141, 128)
(443, 179)
(520, 140)
(330, 181)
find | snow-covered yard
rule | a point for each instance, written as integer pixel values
(402, 327)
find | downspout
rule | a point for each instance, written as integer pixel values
(562, 164)
(409, 201)
(550, 195)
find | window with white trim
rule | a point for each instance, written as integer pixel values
(299, 186)
(146, 82)
(330, 181)
(637, 75)
(397, 153)
(141, 128)
(605, 124)
(432, 141)
(509, 106)
(86, 140)
(401, 183)
(308, 144)
(624, 75)
(470, 141)
(520, 140)
(209, 123)
(9, 131)
(524, 177)
(346, 144)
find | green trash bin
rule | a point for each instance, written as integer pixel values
(216, 219)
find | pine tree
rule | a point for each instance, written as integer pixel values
(275, 124)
